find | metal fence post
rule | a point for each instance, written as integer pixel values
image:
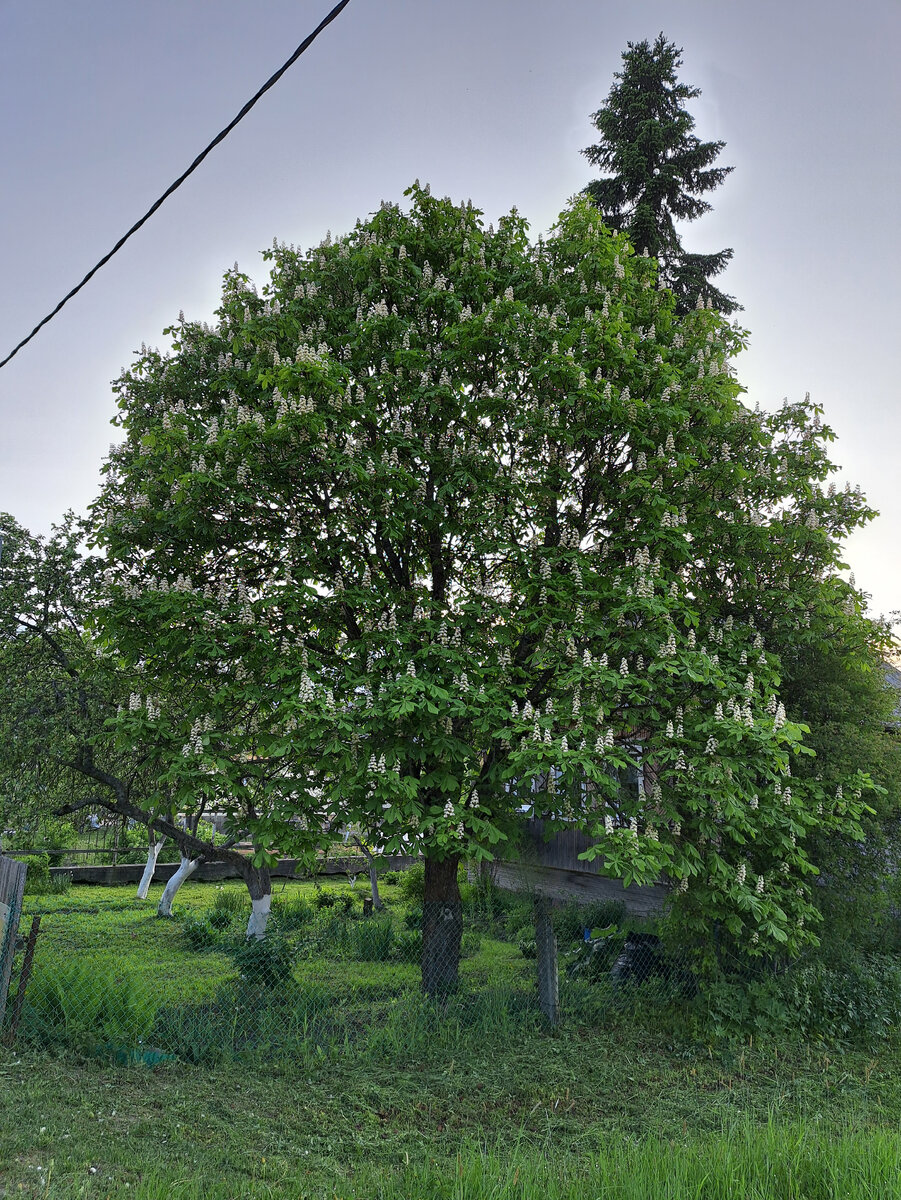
(546, 943)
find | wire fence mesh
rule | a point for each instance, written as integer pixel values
(333, 975)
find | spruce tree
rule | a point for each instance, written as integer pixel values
(658, 170)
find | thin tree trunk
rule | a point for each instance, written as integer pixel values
(259, 884)
(373, 874)
(153, 854)
(374, 886)
(186, 868)
(442, 927)
(546, 960)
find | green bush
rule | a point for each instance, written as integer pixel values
(471, 943)
(291, 914)
(524, 938)
(219, 919)
(345, 901)
(572, 919)
(412, 883)
(37, 878)
(83, 1006)
(322, 898)
(60, 883)
(232, 901)
(413, 917)
(391, 877)
(198, 934)
(484, 903)
(265, 962)
(49, 836)
(132, 846)
(408, 945)
(854, 1002)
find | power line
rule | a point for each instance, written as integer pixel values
(270, 82)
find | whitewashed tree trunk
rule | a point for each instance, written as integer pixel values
(259, 917)
(259, 884)
(147, 878)
(186, 868)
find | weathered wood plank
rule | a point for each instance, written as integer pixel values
(558, 884)
(12, 885)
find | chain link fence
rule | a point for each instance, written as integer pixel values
(333, 975)
(343, 970)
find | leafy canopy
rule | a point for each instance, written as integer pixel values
(447, 522)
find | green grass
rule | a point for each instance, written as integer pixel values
(354, 987)
(550, 1116)
(344, 1081)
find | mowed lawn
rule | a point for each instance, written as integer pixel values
(592, 1114)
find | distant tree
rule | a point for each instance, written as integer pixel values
(658, 170)
(447, 522)
(836, 682)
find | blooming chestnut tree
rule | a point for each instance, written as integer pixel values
(447, 522)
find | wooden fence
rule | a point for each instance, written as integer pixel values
(12, 885)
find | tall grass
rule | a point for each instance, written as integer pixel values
(771, 1162)
(80, 1005)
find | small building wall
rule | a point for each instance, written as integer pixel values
(550, 866)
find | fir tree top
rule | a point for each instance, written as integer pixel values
(658, 170)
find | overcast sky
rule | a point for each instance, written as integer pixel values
(104, 103)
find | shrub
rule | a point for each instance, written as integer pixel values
(50, 837)
(345, 901)
(391, 877)
(126, 844)
(412, 883)
(408, 945)
(40, 882)
(82, 1006)
(572, 919)
(37, 878)
(323, 898)
(60, 883)
(857, 1001)
(219, 919)
(265, 962)
(231, 901)
(471, 943)
(413, 917)
(197, 933)
(601, 914)
(483, 902)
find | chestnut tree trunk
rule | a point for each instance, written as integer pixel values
(442, 927)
